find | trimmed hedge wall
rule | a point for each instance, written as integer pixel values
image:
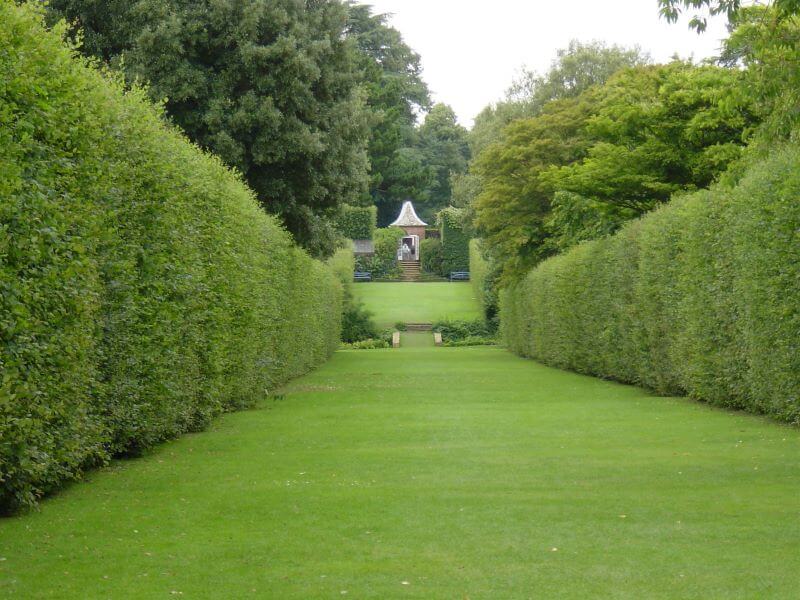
(455, 243)
(700, 297)
(357, 222)
(478, 270)
(143, 289)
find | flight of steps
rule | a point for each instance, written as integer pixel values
(411, 270)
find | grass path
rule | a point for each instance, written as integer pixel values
(418, 302)
(433, 473)
(416, 339)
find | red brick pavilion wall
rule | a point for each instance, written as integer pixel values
(420, 231)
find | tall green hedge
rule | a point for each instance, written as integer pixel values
(478, 270)
(455, 243)
(431, 258)
(357, 222)
(484, 275)
(700, 297)
(143, 290)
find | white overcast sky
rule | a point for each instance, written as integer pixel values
(472, 49)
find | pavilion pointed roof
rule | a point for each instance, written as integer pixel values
(408, 217)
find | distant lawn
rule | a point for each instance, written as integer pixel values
(432, 473)
(418, 302)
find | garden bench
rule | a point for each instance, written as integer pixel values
(459, 276)
(362, 276)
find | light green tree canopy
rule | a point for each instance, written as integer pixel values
(575, 69)
(616, 150)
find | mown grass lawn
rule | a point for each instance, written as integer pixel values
(433, 473)
(418, 302)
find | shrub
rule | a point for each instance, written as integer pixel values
(464, 333)
(357, 323)
(384, 263)
(470, 341)
(699, 297)
(143, 289)
(357, 222)
(455, 243)
(431, 257)
(371, 344)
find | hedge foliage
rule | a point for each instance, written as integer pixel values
(465, 333)
(357, 222)
(478, 273)
(431, 257)
(143, 289)
(700, 297)
(383, 264)
(455, 243)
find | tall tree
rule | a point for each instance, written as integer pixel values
(443, 142)
(575, 69)
(395, 94)
(271, 86)
(766, 46)
(514, 202)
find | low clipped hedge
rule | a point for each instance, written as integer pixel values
(143, 289)
(455, 243)
(465, 333)
(700, 297)
(357, 222)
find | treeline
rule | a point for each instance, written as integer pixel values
(315, 103)
(669, 194)
(143, 288)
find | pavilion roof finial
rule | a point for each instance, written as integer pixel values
(408, 217)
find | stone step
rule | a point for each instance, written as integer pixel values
(410, 270)
(419, 326)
